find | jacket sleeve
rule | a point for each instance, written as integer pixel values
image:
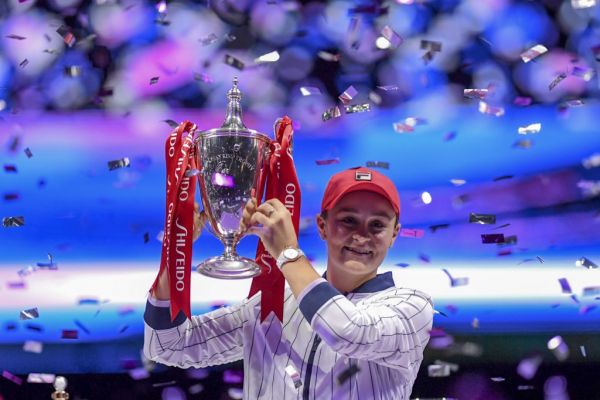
(209, 339)
(392, 329)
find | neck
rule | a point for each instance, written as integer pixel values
(345, 282)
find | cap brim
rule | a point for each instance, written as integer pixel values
(368, 187)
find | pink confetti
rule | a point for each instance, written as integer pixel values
(413, 233)
(11, 377)
(328, 161)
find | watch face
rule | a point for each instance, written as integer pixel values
(290, 253)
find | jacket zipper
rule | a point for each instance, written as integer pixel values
(309, 367)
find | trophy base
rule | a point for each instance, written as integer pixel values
(235, 267)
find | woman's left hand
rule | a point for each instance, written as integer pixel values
(272, 223)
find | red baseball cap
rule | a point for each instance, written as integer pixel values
(360, 178)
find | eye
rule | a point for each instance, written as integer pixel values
(348, 220)
(378, 224)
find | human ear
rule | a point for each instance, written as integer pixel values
(395, 234)
(321, 224)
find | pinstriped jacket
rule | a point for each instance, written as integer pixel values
(367, 344)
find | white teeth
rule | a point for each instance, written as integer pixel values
(358, 251)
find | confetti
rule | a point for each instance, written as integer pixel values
(146, 237)
(564, 285)
(234, 62)
(438, 371)
(449, 136)
(525, 387)
(139, 373)
(456, 282)
(475, 323)
(584, 73)
(559, 348)
(88, 301)
(202, 77)
(389, 88)
(591, 291)
(348, 95)
(81, 326)
(72, 71)
(475, 93)
(557, 80)
(583, 352)
(171, 123)
(67, 36)
(294, 375)
(309, 90)
(195, 389)
(487, 238)
(578, 4)
(402, 265)
(10, 168)
(375, 98)
(31, 313)
(28, 152)
(378, 164)
(458, 182)
(154, 80)
(235, 393)
(24, 63)
(592, 161)
(523, 144)
(485, 108)
(522, 101)
(528, 367)
(328, 56)
(31, 346)
(413, 233)
(431, 45)
(434, 228)
(207, 40)
(193, 171)
(11, 196)
(267, 58)
(328, 161)
(16, 37)
(357, 108)
(69, 334)
(589, 188)
(40, 378)
(11, 377)
(503, 177)
(163, 384)
(347, 374)
(401, 127)
(115, 164)
(49, 265)
(532, 128)
(533, 53)
(484, 219)
(333, 112)
(392, 37)
(497, 379)
(34, 327)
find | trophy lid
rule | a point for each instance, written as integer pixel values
(233, 119)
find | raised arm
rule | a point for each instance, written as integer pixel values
(209, 339)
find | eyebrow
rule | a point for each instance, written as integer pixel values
(378, 214)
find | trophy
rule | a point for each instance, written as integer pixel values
(231, 160)
(60, 384)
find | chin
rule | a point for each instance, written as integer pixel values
(358, 268)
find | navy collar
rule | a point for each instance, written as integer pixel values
(377, 284)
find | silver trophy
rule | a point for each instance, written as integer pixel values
(230, 160)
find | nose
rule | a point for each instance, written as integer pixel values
(359, 238)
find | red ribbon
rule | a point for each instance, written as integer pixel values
(176, 254)
(282, 183)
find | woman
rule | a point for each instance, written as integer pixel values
(351, 334)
